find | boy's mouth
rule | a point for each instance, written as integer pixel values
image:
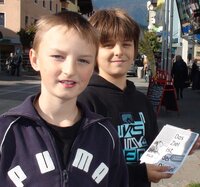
(68, 83)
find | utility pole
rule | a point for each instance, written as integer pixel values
(163, 38)
(166, 54)
(167, 37)
(171, 37)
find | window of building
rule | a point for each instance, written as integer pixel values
(26, 20)
(44, 3)
(198, 53)
(1, 1)
(2, 21)
(50, 4)
(56, 8)
(36, 1)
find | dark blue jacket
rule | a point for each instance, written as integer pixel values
(29, 155)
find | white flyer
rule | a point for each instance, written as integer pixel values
(170, 147)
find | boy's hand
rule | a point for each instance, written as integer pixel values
(156, 173)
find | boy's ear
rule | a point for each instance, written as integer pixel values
(33, 60)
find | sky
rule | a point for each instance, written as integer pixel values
(136, 8)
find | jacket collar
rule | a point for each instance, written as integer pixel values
(27, 110)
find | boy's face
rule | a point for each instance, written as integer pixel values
(65, 61)
(115, 58)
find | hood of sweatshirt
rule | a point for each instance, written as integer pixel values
(98, 81)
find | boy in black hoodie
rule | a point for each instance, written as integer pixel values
(109, 93)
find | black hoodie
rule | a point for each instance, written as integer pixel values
(133, 117)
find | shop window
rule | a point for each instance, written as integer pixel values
(56, 8)
(198, 53)
(44, 4)
(26, 20)
(2, 17)
(50, 4)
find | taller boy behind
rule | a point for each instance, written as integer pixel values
(109, 93)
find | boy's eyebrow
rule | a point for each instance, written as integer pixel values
(86, 55)
(124, 40)
(62, 51)
(57, 50)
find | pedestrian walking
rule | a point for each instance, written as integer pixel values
(9, 63)
(179, 74)
(195, 76)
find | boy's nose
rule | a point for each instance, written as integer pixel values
(118, 50)
(69, 67)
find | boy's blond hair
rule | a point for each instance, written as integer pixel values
(116, 24)
(69, 19)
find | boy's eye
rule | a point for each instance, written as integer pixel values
(57, 57)
(108, 45)
(83, 61)
(127, 44)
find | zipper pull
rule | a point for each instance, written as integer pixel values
(65, 178)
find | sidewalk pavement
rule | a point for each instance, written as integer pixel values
(13, 90)
(188, 118)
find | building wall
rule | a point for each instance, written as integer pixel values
(33, 11)
(20, 13)
(197, 52)
(15, 12)
(11, 17)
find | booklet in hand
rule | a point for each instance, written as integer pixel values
(170, 147)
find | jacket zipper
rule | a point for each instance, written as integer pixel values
(65, 178)
(64, 173)
(67, 170)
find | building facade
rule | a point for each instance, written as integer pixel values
(179, 40)
(19, 14)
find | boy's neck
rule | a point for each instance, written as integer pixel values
(119, 81)
(55, 114)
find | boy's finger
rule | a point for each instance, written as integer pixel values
(163, 168)
(165, 175)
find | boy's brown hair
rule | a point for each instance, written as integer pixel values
(116, 24)
(69, 19)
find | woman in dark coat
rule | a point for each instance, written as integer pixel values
(195, 75)
(180, 75)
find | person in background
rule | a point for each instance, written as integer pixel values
(15, 65)
(18, 63)
(9, 62)
(195, 76)
(179, 74)
(189, 64)
(51, 139)
(147, 72)
(109, 93)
